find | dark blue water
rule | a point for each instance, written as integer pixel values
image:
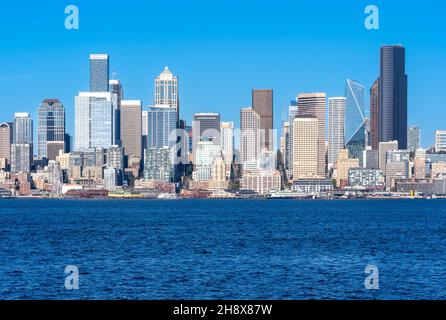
(222, 249)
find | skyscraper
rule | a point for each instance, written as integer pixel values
(262, 103)
(306, 147)
(227, 142)
(131, 127)
(355, 120)
(22, 148)
(94, 120)
(292, 113)
(51, 126)
(374, 115)
(249, 138)
(205, 127)
(144, 128)
(166, 90)
(99, 73)
(413, 138)
(393, 95)
(161, 127)
(115, 87)
(336, 118)
(314, 105)
(23, 128)
(6, 139)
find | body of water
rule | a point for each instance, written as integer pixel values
(222, 249)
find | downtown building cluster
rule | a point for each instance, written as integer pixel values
(120, 148)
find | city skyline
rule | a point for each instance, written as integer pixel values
(135, 69)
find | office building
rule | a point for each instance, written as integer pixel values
(374, 115)
(95, 116)
(306, 147)
(355, 120)
(314, 105)
(393, 95)
(413, 138)
(162, 125)
(6, 139)
(206, 154)
(131, 127)
(336, 118)
(205, 127)
(50, 127)
(343, 164)
(384, 147)
(227, 143)
(292, 113)
(249, 138)
(99, 73)
(166, 90)
(262, 104)
(370, 158)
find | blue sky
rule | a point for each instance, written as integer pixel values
(220, 50)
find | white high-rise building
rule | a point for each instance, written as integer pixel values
(336, 116)
(95, 118)
(227, 142)
(206, 154)
(166, 90)
(440, 141)
(249, 138)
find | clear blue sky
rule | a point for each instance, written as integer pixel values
(220, 50)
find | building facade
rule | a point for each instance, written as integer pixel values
(306, 147)
(262, 103)
(355, 119)
(314, 105)
(99, 73)
(131, 127)
(393, 95)
(336, 119)
(51, 126)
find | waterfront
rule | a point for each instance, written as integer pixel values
(222, 249)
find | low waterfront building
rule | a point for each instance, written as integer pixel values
(396, 171)
(423, 187)
(261, 181)
(370, 179)
(312, 185)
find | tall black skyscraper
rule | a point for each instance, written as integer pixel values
(393, 95)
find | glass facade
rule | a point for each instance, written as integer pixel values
(355, 120)
(51, 125)
(162, 124)
(99, 73)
